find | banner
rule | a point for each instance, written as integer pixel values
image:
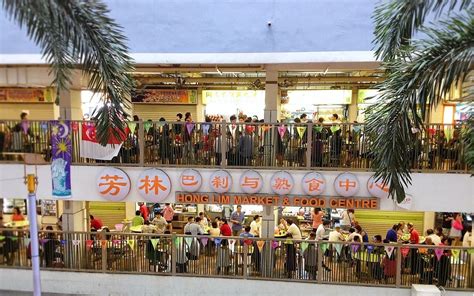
(304, 246)
(338, 248)
(204, 241)
(61, 158)
(389, 250)
(324, 247)
(439, 253)
(165, 96)
(260, 245)
(301, 130)
(154, 242)
(281, 131)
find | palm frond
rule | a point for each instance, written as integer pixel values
(416, 81)
(397, 21)
(80, 34)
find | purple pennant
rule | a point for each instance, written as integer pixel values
(43, 241)
(189, 127)
(274, 244)
(25, 125)
(355, 248)
(370, 248)
(218, 241)
(63, 242)
(205, 129)
(204, 241)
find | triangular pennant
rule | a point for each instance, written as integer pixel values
(26, 241)
(154, 242)
(335, 128)
(63, 242)
(260, 245)
(131, 243)
(338, 248)
(44, 126)
(204, 241)
(274, 244)
(266, 128)
(389, 250)
(189, 127)
(248, 242)
(301, 130)
(356, 128)
(76, 242)
(317, 128)
(132, 126)
(422, 250)
(218, 241)
(205, 129)
(147, 125)
(231, 242)
(89, 243)
(288, 241)
(188, 240)
(370, 249)
(355, 248)
(470, 251)
(178, 240)
(43, 241)
(304, 246)
(439, 253)
(405, 251)
(103, 243)
(455, 253)
(281, 131)
(324, 247)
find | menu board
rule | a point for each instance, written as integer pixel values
(165, 96)
(25, 95)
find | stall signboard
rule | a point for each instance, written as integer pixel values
(220, 181)
(251, 182)
(346, 184)
(377, 188)
(190, 180)
(154, 185)
(165, 96)
(313, 184)
(282, 183)
(25, 95)
(276, 200)
(113, 184)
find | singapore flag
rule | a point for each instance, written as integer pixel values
(90, 148)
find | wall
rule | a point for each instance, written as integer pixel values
(430, 192)
(178, 26)
(154, 112)
(37, 111)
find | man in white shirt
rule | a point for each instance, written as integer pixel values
(293, 230)
(352, 234)
(255, 226)
(434, 237)
(321, 231)
(336, 235)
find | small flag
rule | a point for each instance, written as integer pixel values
(455, 253)
(335, 128)
(355, 248)
(147, 125)
(405, 251)
(218, 241)
(301, 130)
(389, 250)
(44, 126)
(439, 252)
(370, 249)
(154, 242)
(231, 241)
(188, 240)
(103, 243)
(205, 129)
(356, 128)
(281, 131)
(288, 241)
(248, 242)
(318, 128)
(304, 246)
(131, 243)
(260, 245)
(324, 247)
(470, 251)
(338, 248)
(132, 126)
(63, 242)
(76, 242)
(204, 241)
(26, 241)
(89, 244)
(274, 244)
(266, 128)
(189, 127)
(422, 250)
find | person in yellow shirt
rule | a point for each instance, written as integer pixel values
(138, 219)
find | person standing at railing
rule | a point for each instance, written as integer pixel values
(188, 136)
(433, 237)
(225, 228)
(310, 256)
(317, 217)
(224, 260)
(255, 226)
(160, 223)
(145, 212)
(414, 240)
(293, 229)
(391, 236)
(164, 142)
(4, 139)
(456, 229)
(245, 148)
(138, 219)
(237, 219)
(17, 215)
(22, 135)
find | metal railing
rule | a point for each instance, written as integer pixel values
(439, 147)
(391, 265)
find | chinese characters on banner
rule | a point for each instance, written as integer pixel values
(190, 180)
(251, 182)
(377, 188)
(313, 184)
(113, 184)
(220, 181)
(61, 158)
(154, 185)
(282, 183)
(346, 184)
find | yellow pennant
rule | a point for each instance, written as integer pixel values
(260, 245)
(301, 130)
(131, 243)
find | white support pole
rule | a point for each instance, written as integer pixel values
(31, 183)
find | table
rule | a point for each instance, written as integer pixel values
(18, 224)
(138, 228)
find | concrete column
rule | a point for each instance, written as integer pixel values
(272, 97)
(352, 116)
(199, 107)
(70, 105)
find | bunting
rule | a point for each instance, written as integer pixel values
(405, 251)
(318, 128)
(455, 253)
(218, 241)
(76, 242)
(470, 251)
(281, 131)
(132, 126)
(265, 128)
(303, 246)
(63, 242)
(301, 130)
(188, 240)
(439, 252)
(355, 248)
(389, 250)
(89, 243)
(248, 242)
(178, 240)
(154, 242)
(26, 241)
(147, 125)
(324, 247)
(103, 243)
(356, 128)
(260, 245)
(335, 128)
(189, 127)
(204, 241)
(131, 243)
(205, 129)
(274, 245)
(338, 248)
(370, 249)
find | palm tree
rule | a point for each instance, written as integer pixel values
(419, 73)
(80, 34)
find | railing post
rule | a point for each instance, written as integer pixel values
(320, 264)
(398, 276)
(104, 255)
(246, 249)
(223, 145)
(173, 254)
(309, 142)
(141, 142)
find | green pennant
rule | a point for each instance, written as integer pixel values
(335, 128)
(304, 246)
(318, 128)
(154, 242)
(147, 125)
(324, 247)
(132, 126)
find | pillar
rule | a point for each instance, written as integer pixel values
(70, 105)
(272, 98)
(353, 109)
(200, 107)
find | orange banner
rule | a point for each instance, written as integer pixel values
(277, 200)
(21, 95)
(165, 96)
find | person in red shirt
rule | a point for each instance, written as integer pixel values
(96, 224)
(225, 228)
(414, 239)
(144, 211)
(17, 216)
(414, 236)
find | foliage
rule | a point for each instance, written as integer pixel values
(418, 75)
(80, 34)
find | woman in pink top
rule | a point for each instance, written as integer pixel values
(317, 217)
(168, 213)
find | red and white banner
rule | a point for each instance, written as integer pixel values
(90, 148)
